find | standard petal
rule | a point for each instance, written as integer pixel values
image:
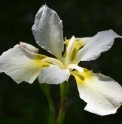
(72, 47)
(101, 93)
(53, 75)
(21, 64)
(84, 40)
(69, 51)
(47, 30)
(101, 42)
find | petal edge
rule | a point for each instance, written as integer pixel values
(101, 93)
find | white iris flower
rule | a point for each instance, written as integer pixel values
(102, 94)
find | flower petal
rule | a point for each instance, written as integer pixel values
(47, 30)
(72, 47)
(101, 42)
(53, 75)
(21, 64)
(55, 62)
(69, 51)
(84, 40)
(101, 93)
(74, 66)
(29, 47)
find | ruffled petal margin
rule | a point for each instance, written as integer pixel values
(21, 64)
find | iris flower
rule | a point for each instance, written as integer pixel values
(102, 94)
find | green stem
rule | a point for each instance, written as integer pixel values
(46, 90)
(61, 114)
(64, 87)
(52, 112)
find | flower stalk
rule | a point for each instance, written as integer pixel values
(46, 90)
(52, 111)
(64, 88)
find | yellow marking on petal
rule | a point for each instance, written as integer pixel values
(88, 74)
(74, 51)
(40, 63)
(40, 56)
(76, 46)
(82, 76)
(37, 61)
(79, 79)
(66, 41)
(54, 61)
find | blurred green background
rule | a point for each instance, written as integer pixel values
(26, 104)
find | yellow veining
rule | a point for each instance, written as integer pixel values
(82, 76)
(37, 62)
(87, 73)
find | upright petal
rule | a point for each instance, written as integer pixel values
(53, 75)
(101, 93)
(69, 51)
(47, 30)
(72, 47)
(83, 40)
(101, 42)
(21, 64)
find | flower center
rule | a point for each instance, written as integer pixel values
(72, 47)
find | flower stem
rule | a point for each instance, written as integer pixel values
(61, 114)
(52, 112)
(46, 90)
(64, 87)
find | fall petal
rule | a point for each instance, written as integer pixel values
(101, 93)
(21, 64)
(53, 75)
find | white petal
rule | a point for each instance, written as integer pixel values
(74, 66)
(84, 40)
(101, 42)
(68, 51)
(21, 64)
(55, 62)
(47, 30)
(29, 47)
(53, 75)
(101, 93)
